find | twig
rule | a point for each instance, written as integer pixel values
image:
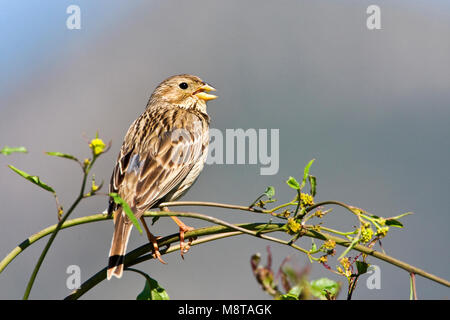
(44, 232)
(56, 230)
(413, 294)
(211, 204)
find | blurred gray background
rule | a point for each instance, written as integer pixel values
(373, 108)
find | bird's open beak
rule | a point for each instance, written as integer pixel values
(201, 94)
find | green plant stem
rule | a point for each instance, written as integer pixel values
(211, 204)
(284, 205)
(337, 203)
(218, 229)
(352, 286)
(56, 230)
(299, 201)
(413, 291)
(345, 234)
(99, 217)
(137, 271)
(44, 232)
(382, 256)
(227, 224)
(46, 248)
(142, 253)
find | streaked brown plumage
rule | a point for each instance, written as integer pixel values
(162, 155)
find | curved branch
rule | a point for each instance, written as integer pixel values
(35, 237)
(211, 204)
(141, 254)
(44, 252)
(378, 255)
(218, 232)
(99, 217)
(257, 234)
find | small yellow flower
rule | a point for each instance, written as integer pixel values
(329, 244)
(323, 259)
(86, 162)
(60, 211)
(319, 214)
(94, 187)
(382, 232)
(306, 200)
(345, 263)
(366, 234)
(293, 226)
(97, 145)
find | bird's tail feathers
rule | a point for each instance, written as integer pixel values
(119, 243)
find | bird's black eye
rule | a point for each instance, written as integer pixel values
(183, 85)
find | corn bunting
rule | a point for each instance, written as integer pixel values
(162, 155)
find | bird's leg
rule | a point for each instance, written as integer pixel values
(183, 228)
(154, 241)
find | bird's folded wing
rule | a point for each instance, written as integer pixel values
(147, 171)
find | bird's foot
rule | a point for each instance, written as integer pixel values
(154, 241)
(155, 250)
(184, 247)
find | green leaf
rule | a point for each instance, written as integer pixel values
(287, 296)
(290, 273)
(270, 192)
(394, 223)
(33, 179)
(152, 290)
(362, 267)
(306, 173)
(320, 287)
(313, 246)
(62, 155)
(8, 150)
(293, 294)
(293, 183)
(118, 200)
(154, 219)
(313, 184)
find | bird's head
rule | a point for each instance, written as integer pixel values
(183, 90)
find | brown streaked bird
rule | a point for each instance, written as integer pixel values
(162, 155)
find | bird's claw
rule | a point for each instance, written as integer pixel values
(184, 247)
(155, 249)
